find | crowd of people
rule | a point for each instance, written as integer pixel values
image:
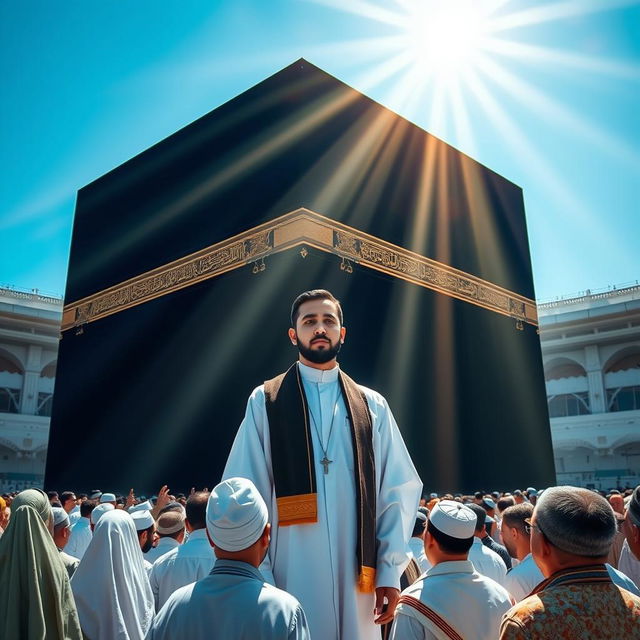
(317, 530)
(564, 562)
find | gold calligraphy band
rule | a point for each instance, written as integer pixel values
(301, 227)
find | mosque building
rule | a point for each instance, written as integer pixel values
(591, 355)
(29, 334)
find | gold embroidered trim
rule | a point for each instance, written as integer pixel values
(300, 227)
(367, 580)
(300, 509)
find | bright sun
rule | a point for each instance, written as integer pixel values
(443, 38)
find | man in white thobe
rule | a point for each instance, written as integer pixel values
(451, 601)
(233, 601)
(187, 562)
(81, 531)
(485, 561)
(316, 562)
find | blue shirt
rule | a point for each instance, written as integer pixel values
(232, 603)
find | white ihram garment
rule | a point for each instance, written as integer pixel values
(316, 563)
(110, 585)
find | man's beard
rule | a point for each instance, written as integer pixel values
(320, 356)
(148, 544)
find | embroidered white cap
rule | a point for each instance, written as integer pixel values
(236, 514)
(59, 516)
(107, 497)
(142, 519)
(454, 519)
(99, 511)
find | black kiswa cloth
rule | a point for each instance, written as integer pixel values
(293, 463)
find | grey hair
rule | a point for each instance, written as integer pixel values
(576, 520)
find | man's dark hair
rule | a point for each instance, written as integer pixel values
(449, 544)
(314, 294)
(505, 502)
(66, 496)
(418, 528)
(515, 516)
(480, 513)
(87, 507)
(51, 495)
(478, 495)
(196, 509)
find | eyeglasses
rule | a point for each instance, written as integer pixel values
(528, 525)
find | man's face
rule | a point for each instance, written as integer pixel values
(69, 504)
(318, 334)
(509, 538)
(146, 539)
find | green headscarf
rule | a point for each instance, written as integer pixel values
(36, 602)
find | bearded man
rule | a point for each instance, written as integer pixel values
(342, 492)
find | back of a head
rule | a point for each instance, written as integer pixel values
(196, 509)
(576, 521)
(86, 508)
(515, 515)
(452, 525)
(505, 502)
(171, 524)
(236, 516)
(420, 524)
(481, 515)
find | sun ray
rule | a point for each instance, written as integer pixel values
(566, 59)
(363, 9)
(554, 11)
(539, 102)
(564, 199)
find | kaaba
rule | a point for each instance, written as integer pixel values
(185, 260)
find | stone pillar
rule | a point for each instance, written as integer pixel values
(597, 394)
(30, 384)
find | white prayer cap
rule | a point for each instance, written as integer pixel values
(95, 494)
(454, 519)
(107, 497)
(236, 514)
(60, 516)
(143, 506)
(99, 511)
(142, 519)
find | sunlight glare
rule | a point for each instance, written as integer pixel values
(444, 37)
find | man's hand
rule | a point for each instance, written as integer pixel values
(390, 595)
(163, 498)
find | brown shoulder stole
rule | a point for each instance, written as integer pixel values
(293, 464)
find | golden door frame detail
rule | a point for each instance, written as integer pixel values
(299, 227)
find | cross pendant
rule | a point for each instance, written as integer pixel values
(325, 462)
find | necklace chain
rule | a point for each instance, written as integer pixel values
(325, 461)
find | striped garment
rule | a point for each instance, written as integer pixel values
(580, 603)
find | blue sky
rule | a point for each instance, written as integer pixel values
(550, 99)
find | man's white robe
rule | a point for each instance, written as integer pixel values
(317, 562)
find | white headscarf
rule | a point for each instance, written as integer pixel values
(110, 585)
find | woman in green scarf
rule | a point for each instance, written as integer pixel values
(36, 602)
